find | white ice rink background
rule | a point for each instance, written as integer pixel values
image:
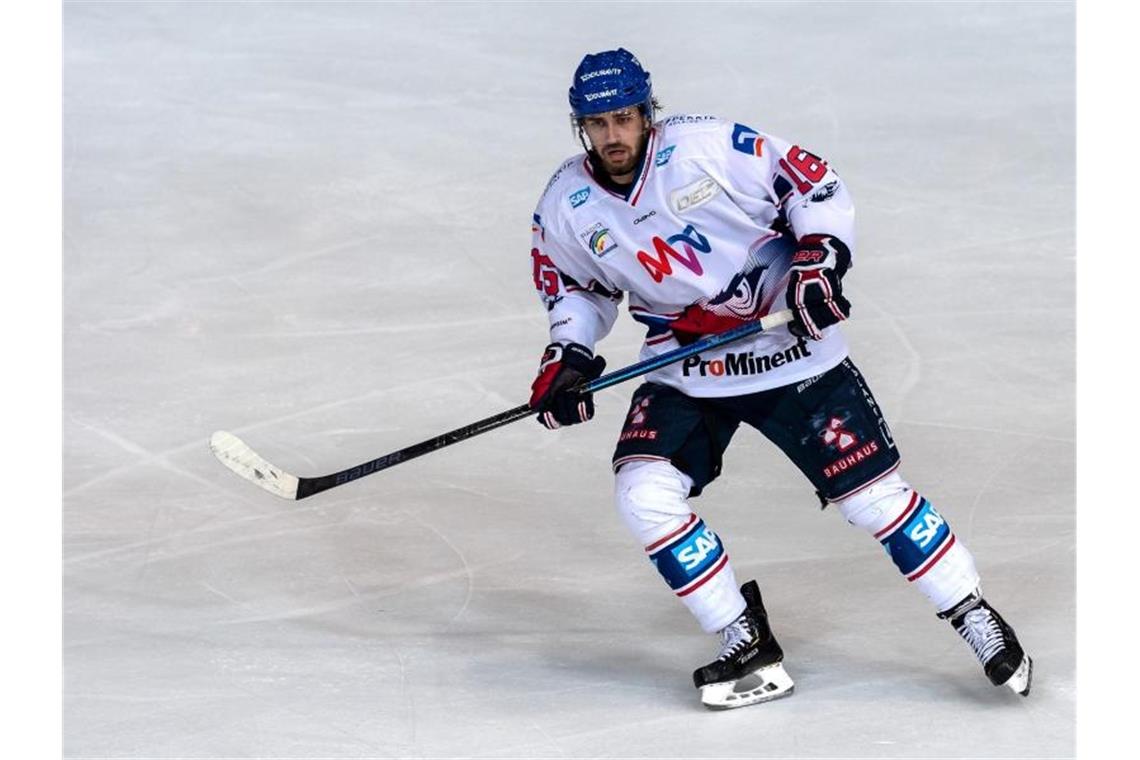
(309, 224)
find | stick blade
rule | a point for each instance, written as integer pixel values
(236, 455)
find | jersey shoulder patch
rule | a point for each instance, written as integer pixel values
(688, 136)
(561, 176)
(689, 122)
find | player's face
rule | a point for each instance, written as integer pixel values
(617, 137)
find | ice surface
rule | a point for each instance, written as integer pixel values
(308, 224)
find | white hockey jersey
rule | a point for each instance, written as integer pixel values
(710, 223)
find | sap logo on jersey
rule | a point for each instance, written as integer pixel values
(747, 140)
(578, 197)
(663, 156)
(597, 239)
(693, 195)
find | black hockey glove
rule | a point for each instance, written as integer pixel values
(552, 394)
(815, 294)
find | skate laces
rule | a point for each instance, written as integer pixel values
(736, 636)
(981, 631)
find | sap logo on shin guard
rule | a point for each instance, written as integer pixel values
(927, 529)
(693, 554)
(688, 560)
(921, 541)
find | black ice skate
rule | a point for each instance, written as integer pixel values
(748, 669)
(994, 642)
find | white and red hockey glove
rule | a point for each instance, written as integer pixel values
(815, 295)
(553, 393)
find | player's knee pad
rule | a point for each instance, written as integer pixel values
(652, 498)
(916, 538)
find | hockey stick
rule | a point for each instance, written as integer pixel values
(236, 455)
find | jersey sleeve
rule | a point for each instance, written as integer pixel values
(803, 186)
(581, 308)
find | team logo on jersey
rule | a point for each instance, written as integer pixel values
(747, 140)
(663, 156)
(693, 195)
(578, 197)
(689, 240)
(825, 192)
(597, 239)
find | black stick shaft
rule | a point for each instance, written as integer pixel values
(310, 486)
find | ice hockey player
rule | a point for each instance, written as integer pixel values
(704, 223)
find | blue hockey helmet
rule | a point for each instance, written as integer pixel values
(608, 81)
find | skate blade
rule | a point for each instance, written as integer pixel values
(1022, 678)
(763, 685)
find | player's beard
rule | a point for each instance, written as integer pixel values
(624, 161)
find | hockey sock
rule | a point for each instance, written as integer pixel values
(652, 498)
(916, 538)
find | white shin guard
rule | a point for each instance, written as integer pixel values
(652, 499)
(917, 539)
